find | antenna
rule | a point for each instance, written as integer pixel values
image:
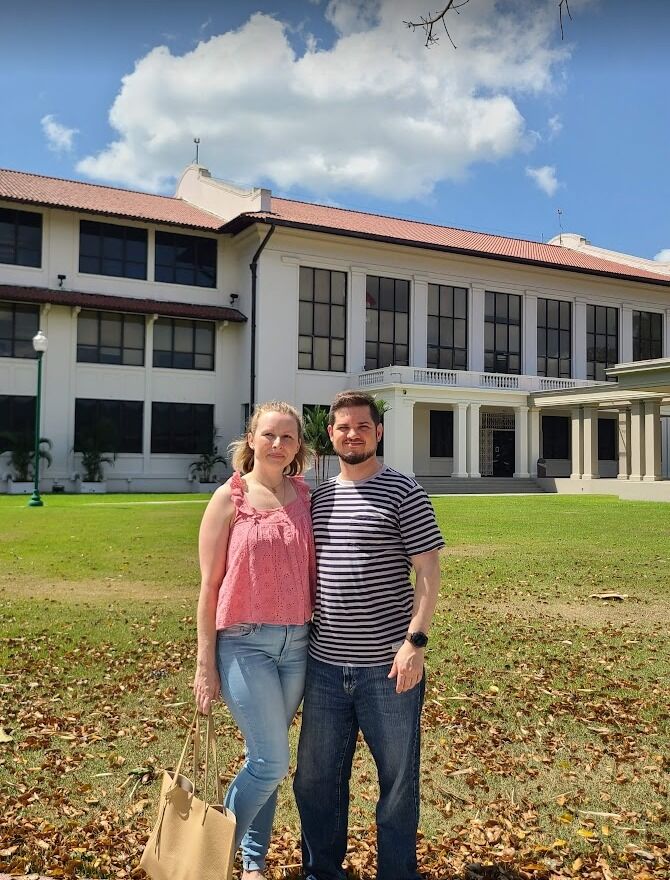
(560, 226)
(196, 141)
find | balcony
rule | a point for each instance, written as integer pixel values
(466, 379)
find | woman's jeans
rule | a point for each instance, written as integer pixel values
(262, 671)
(340, 701)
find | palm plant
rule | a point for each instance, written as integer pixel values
(315, 426)
(21, 449)
(92, 460)
(203, 468)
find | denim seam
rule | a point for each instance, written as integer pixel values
(416, 757)
(353, 727)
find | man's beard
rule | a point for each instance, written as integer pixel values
(356, 457)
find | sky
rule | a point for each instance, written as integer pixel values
(338, 102)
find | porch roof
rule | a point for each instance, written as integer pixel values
(635, 381)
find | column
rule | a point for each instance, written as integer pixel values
(576, 443)
(460, 440)
(533, 439)
(521, 442)
(652, 440)
(473, 440)
(148, 393)
(476, 329)
(590, 435)
(399, 434)
(418, 351)
(529, 328)
(666, 334)
(579, 341)
(626, 335)
(637, 440)
(356, 351)
(624, 444)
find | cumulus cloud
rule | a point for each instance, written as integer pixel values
(663, 256)
(59, 138)
(545, 178)
(375, 111)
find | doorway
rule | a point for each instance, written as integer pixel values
(503, 453)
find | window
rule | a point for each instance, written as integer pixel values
(607, 439)
(555, 437)
(184, 345)
(182, 428)
(17, 416)
(386, 322)
(647, 336)
(109, 425)
(322, 320)
(554, 344)
(447, 327)
(602, 340)
(20, 237)
(110, 338)
(18, 324)
(185, 259)
(502, 333)
(108, 249)
(441, 433)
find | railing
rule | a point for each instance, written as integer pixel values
(466, 379)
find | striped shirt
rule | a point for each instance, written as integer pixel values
(365, 533)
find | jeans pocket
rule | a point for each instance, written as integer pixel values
(238, 630)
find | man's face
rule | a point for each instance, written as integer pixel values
(354, 434)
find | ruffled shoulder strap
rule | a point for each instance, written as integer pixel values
(237, 489)
(301, 488)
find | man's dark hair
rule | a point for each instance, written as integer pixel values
(346, 399)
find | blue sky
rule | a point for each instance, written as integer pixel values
(335, 101)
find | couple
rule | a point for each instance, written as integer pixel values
(321, 605)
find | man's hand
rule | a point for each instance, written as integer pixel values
(407, 667)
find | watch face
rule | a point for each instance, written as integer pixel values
(418, 639)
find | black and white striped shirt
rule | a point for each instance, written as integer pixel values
(365, 533)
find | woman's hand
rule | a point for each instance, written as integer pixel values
(206, 687)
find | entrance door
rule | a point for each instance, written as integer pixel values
(503, 453)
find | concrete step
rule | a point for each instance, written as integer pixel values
(481, 486)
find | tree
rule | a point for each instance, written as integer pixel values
(315, 425)
(21, 448)
(429, 22)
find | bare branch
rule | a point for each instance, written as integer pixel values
(427, 23)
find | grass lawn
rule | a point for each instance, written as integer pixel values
(546, 725)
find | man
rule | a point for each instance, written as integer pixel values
(365, 669)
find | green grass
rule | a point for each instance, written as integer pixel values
(544, 706)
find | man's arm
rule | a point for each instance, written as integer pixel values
(407, 666)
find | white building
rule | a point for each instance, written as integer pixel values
(167, 316)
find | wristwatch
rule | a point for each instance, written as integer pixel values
(418, 639)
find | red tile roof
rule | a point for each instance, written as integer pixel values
(14, 293)
(304, 215)
(34, 189)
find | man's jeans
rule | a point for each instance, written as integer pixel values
(262, 671)
(340, 700)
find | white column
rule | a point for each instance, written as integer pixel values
(473, 440)
(460, 440)
(148, 392)
(590, 435)
(533, 440)
(637, 440)
(529, 328)
(624, 444)
(579, 340)
(576, 443)
(399, 434)
(626, 335)
(476, 329)
(666, 334)
(652, 440)
(356, 322)
(418, 352)
(521, 442)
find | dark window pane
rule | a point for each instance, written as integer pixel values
(338, 291)
(321, 286)
(433, 299)
(441, 433)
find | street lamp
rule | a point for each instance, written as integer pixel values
(40, 344)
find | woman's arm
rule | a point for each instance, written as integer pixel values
(212, 545)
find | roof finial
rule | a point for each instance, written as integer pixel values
(196, 141)
(560, 226)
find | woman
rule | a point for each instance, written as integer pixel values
(256, 600)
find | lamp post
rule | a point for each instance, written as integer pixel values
(40, 344)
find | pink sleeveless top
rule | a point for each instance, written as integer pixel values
(270, 571)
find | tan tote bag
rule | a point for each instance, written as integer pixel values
(193, 838)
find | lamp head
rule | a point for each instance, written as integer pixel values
(40, 342)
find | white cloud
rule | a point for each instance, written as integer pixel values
(663, 256)
(376, 111)
(555, 126)
(545, 178)
(59, 138)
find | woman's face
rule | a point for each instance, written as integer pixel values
(275, 440)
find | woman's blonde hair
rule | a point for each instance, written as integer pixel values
(242, 455)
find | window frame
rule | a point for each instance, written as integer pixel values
(11, 421)
(373, 317)
(104, 231)
(592, 319)
(451, 319)
(17, 245)
(563, 329)
(647, 340)
(125, 432)
(441, 437)
(500, 319)
(199, 244)
(25, 343)
(306, 354)
(181, 414)
(173, 353)
(561, 443)
(126, 319)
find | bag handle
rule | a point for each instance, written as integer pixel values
(210, 746)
